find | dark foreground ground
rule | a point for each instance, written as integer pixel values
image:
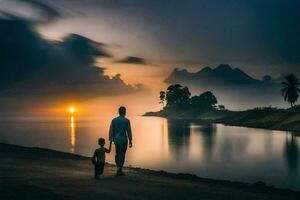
(34, 173)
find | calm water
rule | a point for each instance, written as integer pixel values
(212, 151)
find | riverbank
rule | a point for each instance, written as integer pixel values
(267, 118)
(35, 173)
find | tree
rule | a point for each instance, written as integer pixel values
(162, 97)
(205, 101)
(178, 96)
(290, 90)
(221, 107)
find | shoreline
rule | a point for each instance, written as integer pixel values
(297, 131)
(226, 121)
(40, 158)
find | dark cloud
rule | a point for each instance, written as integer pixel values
(32, 66)
(133, 60)
(48, 12)
(261, 36)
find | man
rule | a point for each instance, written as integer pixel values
(120, 133)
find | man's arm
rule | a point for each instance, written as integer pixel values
(109, 149)
(129, 134)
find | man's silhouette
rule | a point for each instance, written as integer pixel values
(120, 133)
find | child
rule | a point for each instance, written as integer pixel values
(99, 157)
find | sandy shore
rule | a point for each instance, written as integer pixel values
(34, 173)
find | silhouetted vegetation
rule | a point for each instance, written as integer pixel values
(162, 97)
(290, 90)
(179, 98)
(205, 101)
(204, 107)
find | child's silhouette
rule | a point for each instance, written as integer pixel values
(99, 157)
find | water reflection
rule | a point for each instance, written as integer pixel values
(208, 150)
(189, 139)
(207, 132)
(179, 132)
(235, 148)
(73, 133)
(291, 153)
(163, 132)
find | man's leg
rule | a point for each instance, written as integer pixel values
(120, 157)
(117, 155)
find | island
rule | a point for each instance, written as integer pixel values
(178, 104)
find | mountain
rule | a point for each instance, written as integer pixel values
(223, 73)
(233, 87)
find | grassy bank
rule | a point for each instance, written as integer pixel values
(268, 118)
(34, 173)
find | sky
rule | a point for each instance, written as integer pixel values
(259, 36)
(142, 41)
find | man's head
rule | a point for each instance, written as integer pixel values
(101, 142)
(122, 111)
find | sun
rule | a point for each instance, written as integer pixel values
(72, 110)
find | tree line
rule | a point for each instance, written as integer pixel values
(178, 97)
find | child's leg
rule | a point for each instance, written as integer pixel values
(101, 168)
(96, 171)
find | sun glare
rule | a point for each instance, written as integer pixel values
(71, 110)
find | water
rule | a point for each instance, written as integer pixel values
(211, 151)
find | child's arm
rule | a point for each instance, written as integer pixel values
(94, 158)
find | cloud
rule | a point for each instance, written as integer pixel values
(35, 11)
(48, 12)
(33, 67)
(261, 36)
(133, 60)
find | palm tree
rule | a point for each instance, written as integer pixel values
(290, 90)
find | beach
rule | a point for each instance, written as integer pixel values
(35, 173)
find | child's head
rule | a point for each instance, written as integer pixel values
(101, 142)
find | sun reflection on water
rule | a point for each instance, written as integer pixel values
(73, 134)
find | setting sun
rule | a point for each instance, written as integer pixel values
(72, 110)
